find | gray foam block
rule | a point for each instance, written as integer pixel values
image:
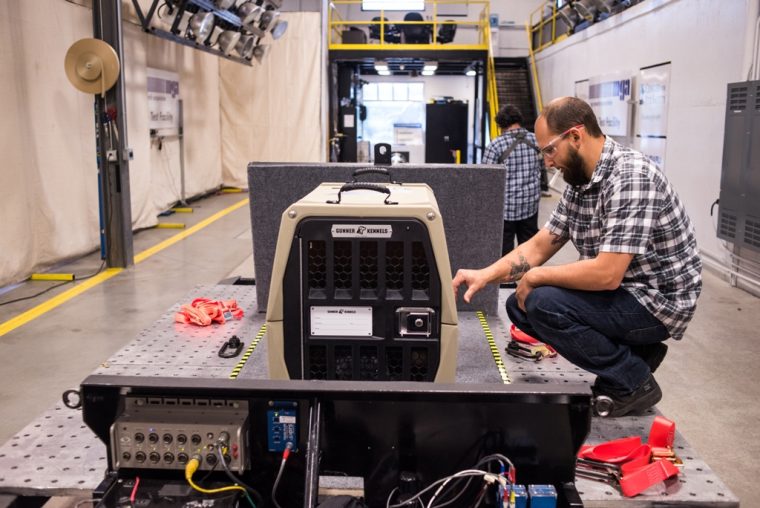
(470, 198)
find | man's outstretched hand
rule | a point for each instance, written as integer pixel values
(475, 280)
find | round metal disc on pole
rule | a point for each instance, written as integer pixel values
(92, 66)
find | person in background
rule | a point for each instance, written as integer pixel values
(639, 274)
(516, 149)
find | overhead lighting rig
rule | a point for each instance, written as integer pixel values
(234, 29)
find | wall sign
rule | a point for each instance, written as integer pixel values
(610, 98)
(652, 113)
(163, 101)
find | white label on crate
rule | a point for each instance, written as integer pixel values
(362, 230)
(341, 321)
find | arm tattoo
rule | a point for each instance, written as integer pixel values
(518, 270)
(557, 239)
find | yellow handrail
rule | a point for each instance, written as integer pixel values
(335, 22)
(534, 69)
(536, 30)
(493, 91)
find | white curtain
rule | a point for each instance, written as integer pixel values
(49, 192)
(271, 112)
(232, 114)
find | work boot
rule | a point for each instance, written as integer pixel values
(608, 403)
(652, 354)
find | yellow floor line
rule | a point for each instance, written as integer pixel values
(52, 303)
(57, 300)
(189, 231)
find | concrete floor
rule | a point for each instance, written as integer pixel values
(710, 380)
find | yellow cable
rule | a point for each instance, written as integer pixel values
(190, 470)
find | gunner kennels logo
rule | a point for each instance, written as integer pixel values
(362, 231)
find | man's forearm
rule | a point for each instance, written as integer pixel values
(534, 252)
(603, 273)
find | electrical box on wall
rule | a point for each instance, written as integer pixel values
(739, 214)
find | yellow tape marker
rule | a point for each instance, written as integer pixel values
(57, 300)
(248, 352)
(52, 276)
(139, 258)
(231, 190)
(52, 303)
(182, 210)
(170, 225)
(494, 349)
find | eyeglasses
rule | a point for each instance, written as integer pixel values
(551, 147)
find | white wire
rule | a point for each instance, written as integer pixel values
(466, 472)
(390, 496)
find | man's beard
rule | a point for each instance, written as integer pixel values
(573, 172)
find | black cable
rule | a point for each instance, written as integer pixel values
(55, 286)
(35, 295)
(712, 206)
(234, 478)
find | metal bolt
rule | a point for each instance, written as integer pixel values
(430, 215)
(292, 214)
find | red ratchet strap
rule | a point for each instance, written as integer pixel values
(642, 478)
(520, 336)
(634, 458)
(204, 311)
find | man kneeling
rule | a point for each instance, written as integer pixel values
(639, 274)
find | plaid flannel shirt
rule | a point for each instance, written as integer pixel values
(523, 185)
(630, 207)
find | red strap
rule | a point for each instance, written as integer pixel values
(203, 311)
(614, 452)
(641, 479)
(520, 336)
(663, 433)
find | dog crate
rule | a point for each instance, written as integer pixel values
(361, 287)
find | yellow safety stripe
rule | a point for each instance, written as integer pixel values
(248, 352)
(52, 303)
(494, 348)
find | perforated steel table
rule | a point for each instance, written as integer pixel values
(58, 455)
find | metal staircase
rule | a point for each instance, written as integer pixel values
(514, 85)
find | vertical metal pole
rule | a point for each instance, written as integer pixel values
(182, 153)
(113, 145)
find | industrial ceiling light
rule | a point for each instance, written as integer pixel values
(245, 46)
(381, 65)
(428, 73)
(248, 12)
(430, 65)
(227, 41)
(279, 28)
(587, 9)
(384, 73)
(200, 26)
(267, 19)
(569, 15)
(260, 51)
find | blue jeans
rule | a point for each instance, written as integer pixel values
(593, 330)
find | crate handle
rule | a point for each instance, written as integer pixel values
(376, 171)
(377, 187)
